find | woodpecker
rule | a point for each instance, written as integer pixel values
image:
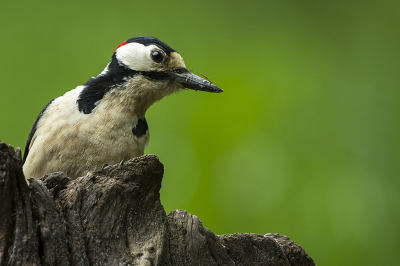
(103, 121)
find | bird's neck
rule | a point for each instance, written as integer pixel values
(135, 96)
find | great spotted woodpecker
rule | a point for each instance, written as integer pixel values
(103, 121)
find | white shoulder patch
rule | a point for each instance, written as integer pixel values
(105, 70)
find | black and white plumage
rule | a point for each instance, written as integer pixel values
(104, 121)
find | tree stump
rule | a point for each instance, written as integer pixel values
(114, 217)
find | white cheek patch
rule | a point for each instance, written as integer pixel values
(136, 56)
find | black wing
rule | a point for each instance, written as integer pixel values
(33, 130)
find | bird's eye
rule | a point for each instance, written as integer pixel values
(157, 56)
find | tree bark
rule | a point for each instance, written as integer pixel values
(114, 217)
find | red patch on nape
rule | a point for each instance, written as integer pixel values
(122, 44)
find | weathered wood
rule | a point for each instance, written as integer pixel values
(52, 230)
(114, 217)
(193, 244)
(18, 240)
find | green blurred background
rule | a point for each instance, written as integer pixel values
(304, 140)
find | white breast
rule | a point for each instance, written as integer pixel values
(72, 142)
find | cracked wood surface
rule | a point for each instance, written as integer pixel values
(114, 217)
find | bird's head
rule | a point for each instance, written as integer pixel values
(155, 60)
(146, 68)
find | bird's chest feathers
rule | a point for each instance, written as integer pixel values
(113, 129)
(119, 126)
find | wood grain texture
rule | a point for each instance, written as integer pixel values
(114, 217)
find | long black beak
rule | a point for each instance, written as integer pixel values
(191, 81)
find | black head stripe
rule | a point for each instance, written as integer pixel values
(155, 75)
(148, 40)
(97, 87)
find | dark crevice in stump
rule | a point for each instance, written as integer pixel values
(114, 217)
